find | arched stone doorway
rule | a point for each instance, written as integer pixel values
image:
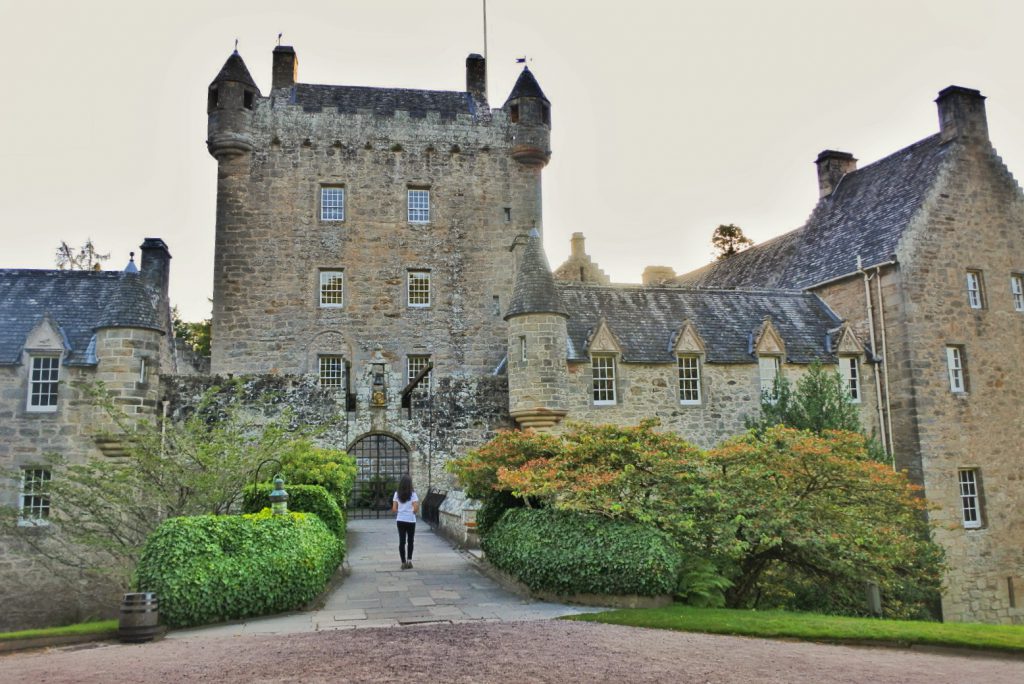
(381, 460)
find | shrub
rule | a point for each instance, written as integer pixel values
(302, 462)
(211, 568)
(575, 553)
(301, 499)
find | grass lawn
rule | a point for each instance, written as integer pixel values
(815, 627)
(99, 627)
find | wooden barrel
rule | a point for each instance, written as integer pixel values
(140, 617)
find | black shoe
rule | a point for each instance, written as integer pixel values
(409, 565)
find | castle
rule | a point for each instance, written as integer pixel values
(384, 246)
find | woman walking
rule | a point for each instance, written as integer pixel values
(406, 504)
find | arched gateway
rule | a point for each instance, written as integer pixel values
(380, 461)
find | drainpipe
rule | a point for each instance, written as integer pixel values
(885, 363)
(871, 332)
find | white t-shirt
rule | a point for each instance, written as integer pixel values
(405, 512)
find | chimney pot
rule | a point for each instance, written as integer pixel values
(832, 166)
(962, 114)
(576, 244)
(286, 67)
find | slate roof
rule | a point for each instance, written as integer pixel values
(527, 86)
(382, 101)
(534, 290)
(865, 216)
(235, 70)
(645, 320)
(79, 302)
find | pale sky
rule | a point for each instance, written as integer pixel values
(669, 118)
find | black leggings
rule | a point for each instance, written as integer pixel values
(405, 529)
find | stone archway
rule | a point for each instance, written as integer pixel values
(381, 460)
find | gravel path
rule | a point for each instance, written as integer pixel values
(500, 652)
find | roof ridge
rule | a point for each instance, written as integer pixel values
(380, 88)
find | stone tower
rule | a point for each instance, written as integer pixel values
(537, 370)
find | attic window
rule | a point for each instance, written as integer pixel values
(513, 113)
(211, 101)
(248, 99)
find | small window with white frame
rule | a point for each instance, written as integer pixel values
(34, 496)
(419, 205)
(769, 368)
(970, 497)
(331, 371)
(851, 377)
(332, 203)
(414, 365)
(689, 379)
(44, 380)
(418, 289)
(332, 289)
(975, 290)
(956, 370)
(1017, 291)
(603, 369)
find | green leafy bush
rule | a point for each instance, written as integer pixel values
(210, 568)
(575, 553)
(301, 499)
(302, 462)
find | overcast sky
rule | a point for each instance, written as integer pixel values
(669, 118)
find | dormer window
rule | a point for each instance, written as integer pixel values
(44, 379)
(769, 367)
(689, 379)
(851, 377)
(603, 368)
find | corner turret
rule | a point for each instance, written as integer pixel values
(231, 99)
(529, 111)
(537, 343)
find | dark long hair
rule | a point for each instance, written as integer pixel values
(405, 488)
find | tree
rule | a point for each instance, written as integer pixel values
(85, 258)
(196, 335)
(728, 240)
(105, 508)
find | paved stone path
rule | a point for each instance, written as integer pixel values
(444, 586)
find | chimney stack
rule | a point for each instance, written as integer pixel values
(476, 77)
(286, 67)
(658, 275)
(576, 247)
(962, 114)
(156, 263)
(832, 166)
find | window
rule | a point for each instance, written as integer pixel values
(689, 380)
(1017, 289)
(332, 203)
(414, 365)
(768, 366)
(43, 381)
(142, 371)
(851, 374)
(332, 371)
(975, 295)
(332, 289)
(34, 499)
(603, 378)
(419, 206)
(955, 366)
(248, 99)
(419, 288)
(522, 347)
(970, 501)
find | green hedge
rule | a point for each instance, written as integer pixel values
(302, 499)
(572, 553)
(210, 568)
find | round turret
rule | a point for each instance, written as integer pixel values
(529, 111)
(230, 103)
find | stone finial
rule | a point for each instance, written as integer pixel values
(832, 166)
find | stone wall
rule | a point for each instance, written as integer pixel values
(974, 219)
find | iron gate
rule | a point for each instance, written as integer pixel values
(381, 460)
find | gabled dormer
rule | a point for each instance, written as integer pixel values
(602, 340)
(687, 340)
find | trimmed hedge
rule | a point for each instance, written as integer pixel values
(301, 499)
(210, 568)
(574, 553)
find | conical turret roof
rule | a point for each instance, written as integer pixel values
(235, 70)
(534, 291)
(527, 86)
